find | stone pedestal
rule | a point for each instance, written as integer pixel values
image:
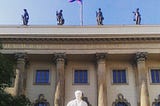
(20, 81)
(143, 94)
(59, 99)
(101, 77)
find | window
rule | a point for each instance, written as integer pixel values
(42, 76)
(81, 76)
(155, 75)
(121, 101)
(119, 76)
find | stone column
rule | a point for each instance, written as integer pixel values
(59, 99)
(143, 94)
(101, 77)
(20, 81)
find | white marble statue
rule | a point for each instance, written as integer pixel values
(78, 101)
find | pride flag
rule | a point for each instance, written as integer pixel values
(79, 1)
(81, 10)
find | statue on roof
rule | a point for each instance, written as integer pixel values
(25, 17)
(60, 18)
(137, 17)
(99, 17)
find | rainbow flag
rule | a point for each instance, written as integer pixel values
(79, 1)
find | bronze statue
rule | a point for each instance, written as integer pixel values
(137, 17)
(25, 17)
(60, 18)
(99, 17)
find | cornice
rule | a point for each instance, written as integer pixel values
(80, 30)
(80, 34)
(81, 40)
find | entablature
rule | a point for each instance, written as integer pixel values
(80, 34)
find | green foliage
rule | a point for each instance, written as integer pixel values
(6, 70)
(6, 75)
(5, 98)
(0, 45)
(9, 100)
(21, 101)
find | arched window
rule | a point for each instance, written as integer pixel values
(121, 101)
(156, 101)
(41, 101)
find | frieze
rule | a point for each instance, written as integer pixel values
(15, 46)
(87, 39)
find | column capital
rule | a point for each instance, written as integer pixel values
(59, 57)
(101, 56)
(141, 56)
(20, 56)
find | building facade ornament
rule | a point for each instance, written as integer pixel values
(141, 56)
(21, 74)
(59, 57)
(101, 77)
(156, 101)
(41, 101)
(59, 95)
(20, 56)
(122, 100)
(101, 56)
(142, 89)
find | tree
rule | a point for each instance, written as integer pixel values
(21, 100)
(9, 100)
(7, 73)
(6, 70)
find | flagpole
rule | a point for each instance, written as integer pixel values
(81, 13)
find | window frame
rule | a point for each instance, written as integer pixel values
(150, 75)
(127, 80)
(81, 68)
(35, 73)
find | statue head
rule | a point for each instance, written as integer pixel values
(25, 10)
(61, 10)
(78, 94)
(99, 9)
(137, 9)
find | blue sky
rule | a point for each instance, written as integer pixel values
(42, 12)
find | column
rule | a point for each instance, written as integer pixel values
(101, 77)
(20, 81)
(143, 94)
(59, 99)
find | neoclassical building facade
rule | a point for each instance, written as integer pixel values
(111, 65)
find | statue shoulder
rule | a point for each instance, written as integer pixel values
(84, 103)
(70, 103)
